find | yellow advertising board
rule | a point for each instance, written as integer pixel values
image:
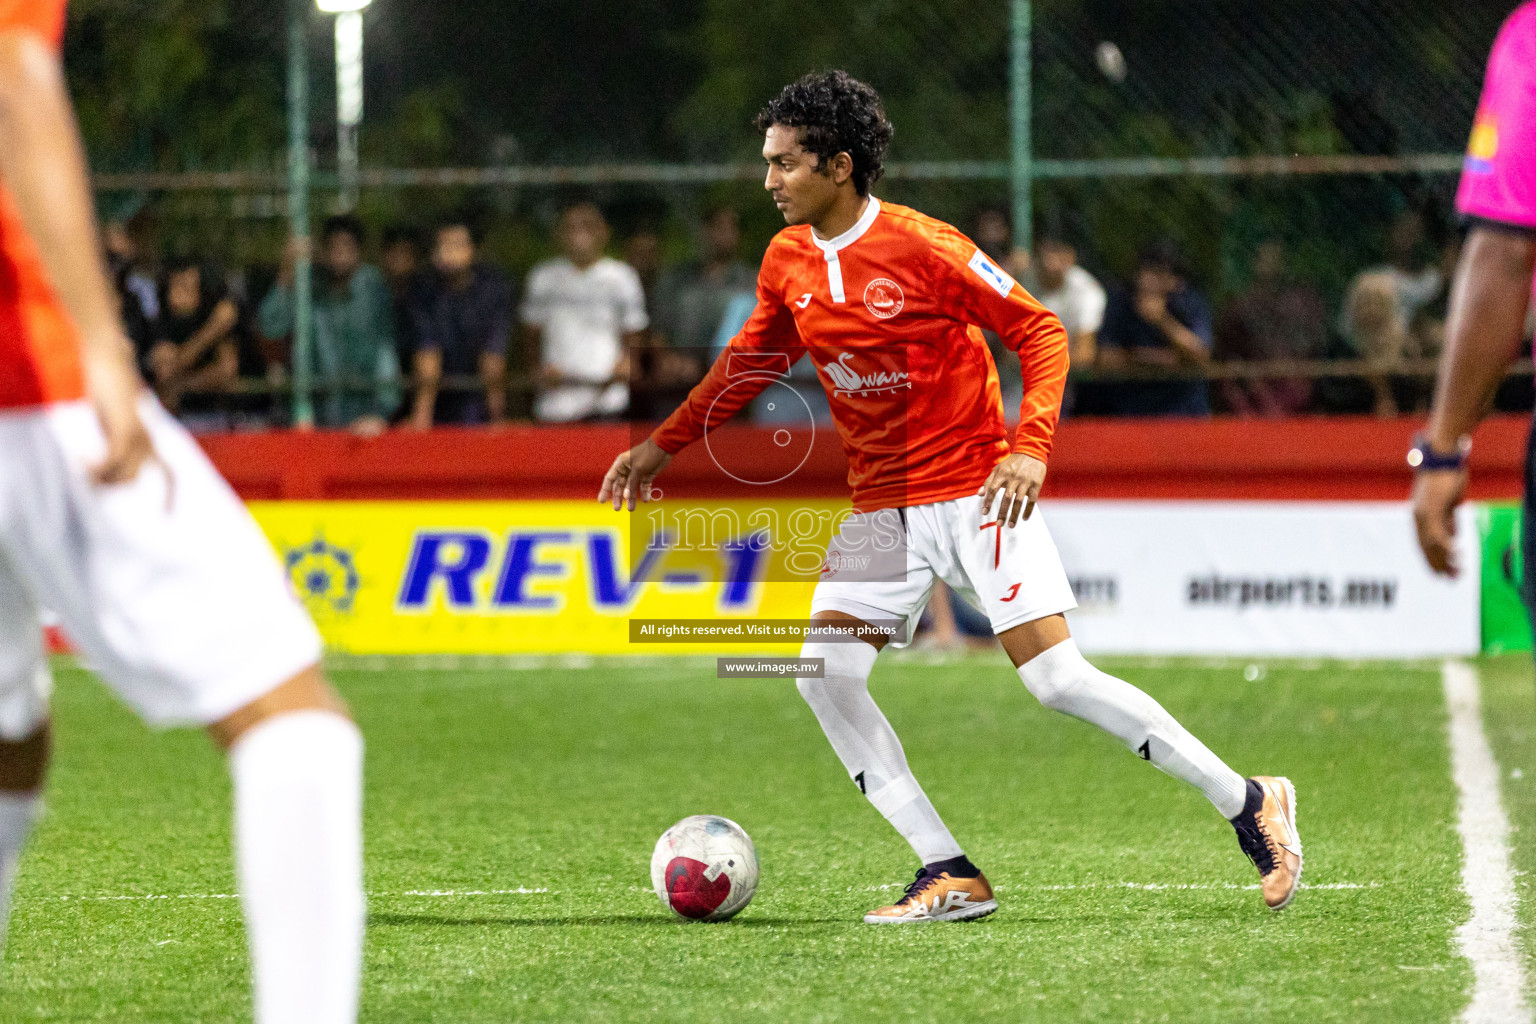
(548, 577)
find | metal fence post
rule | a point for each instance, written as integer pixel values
(298, 209)
(1022, 162)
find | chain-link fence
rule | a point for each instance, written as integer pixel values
(1331, 128)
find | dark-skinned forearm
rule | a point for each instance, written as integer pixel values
(221, 321)
(1483, 330)
(1187, 345)
(493, 375)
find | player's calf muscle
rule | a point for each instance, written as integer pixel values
(307, 691)
(23, 762)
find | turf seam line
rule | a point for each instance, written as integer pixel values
(1488, 938)
(525, 891)
(152, 897)
(1143, 886)
(386, 663)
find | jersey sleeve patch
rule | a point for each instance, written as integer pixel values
(991, 273)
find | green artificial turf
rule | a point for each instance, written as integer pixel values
(1122, 892)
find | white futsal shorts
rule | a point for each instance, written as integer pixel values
(165, 584)
(882, 564)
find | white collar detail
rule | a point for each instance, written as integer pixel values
(853, 234)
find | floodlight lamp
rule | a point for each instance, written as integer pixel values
(341, 6)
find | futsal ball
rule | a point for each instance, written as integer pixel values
(705, 868)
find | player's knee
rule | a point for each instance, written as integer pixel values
(1053, 675)
(307, 691)
(841, 660)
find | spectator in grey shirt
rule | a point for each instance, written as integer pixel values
(691, 299)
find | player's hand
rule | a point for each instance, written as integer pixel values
(1436, 493)
(1017, 479)
(113, 385)
(368, 426)
(632, 474)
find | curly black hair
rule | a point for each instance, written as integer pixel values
(835, 113)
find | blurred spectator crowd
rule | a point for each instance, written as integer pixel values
(430, 333)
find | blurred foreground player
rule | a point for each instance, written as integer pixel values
(888, 304)
(1489, 296)
(112, 517)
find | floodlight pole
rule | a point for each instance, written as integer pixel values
(349, 104)
(298, 210)
(1022, 162)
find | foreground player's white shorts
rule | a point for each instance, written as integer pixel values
(165, 584)
(881, 565)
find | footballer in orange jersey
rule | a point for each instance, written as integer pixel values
(112, 517)
(889, 304)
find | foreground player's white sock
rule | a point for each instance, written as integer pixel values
(18, 813)
(869, 749)
(1063, 680)
(298, 833)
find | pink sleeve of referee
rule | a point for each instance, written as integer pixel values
(1498, 178)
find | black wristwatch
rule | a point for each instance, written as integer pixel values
(1424, 457)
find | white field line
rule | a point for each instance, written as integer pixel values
(154, 897)
(525, 891)
(1488, 939)
(374, 663)
(1143, 886)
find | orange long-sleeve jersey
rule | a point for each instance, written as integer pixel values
(39, 347)
(890, 313)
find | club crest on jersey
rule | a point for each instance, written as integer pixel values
(848, 381)
(883, 297)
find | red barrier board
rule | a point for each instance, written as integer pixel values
(1335, 458)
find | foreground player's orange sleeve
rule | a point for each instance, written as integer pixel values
(768, 345)
(45, 17)
(982, 294)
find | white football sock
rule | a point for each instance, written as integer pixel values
(298, 835)
(18, 813)
(1065, 682)
(868, 746)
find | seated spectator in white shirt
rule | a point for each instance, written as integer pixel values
(584, 313)
(1386, 318)
(1070, 292)
(1077, 299)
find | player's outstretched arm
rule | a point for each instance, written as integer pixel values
(767, 345)
(1482, 337)
(632, 474)
(42, 165)
(985, 295)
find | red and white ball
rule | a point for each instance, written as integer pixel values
(705, 868)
